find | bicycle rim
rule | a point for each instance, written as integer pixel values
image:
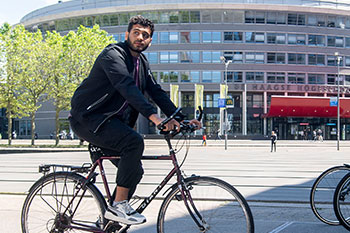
(222, 207)
(49, 198)
(342, 202)
(322, 193)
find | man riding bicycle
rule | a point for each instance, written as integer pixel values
(105, 107)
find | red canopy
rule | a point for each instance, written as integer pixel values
(295, 106)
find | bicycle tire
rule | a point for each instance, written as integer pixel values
(49, 197)
(342, 201)
(322, 193)
(223, 208)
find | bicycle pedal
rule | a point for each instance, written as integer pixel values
(112, 227)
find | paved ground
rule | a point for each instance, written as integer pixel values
(277, 185)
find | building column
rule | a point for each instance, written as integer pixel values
(244, 110)
(265, 111)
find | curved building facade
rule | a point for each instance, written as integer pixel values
(274, 48)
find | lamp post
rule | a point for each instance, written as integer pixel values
(338, 103)
(226, 62)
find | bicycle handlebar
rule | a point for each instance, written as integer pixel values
(184, 125)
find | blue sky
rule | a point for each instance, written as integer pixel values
(12, 11)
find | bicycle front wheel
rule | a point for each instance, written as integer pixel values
(221, 206)
(322, 192)
(50, 207)
(342, 201)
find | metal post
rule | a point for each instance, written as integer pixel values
(338, 100)
(226, 62)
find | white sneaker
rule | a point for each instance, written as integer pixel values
(122, 212)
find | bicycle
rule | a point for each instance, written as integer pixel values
(65, 201)
(341, 201)
(322, 193)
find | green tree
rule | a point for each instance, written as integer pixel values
(35, 74)
(12, 50)
(74, 62)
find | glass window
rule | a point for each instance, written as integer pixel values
(276, 38)
(316, 79)
(237, 57)
(187, 76)
(312, 20)
(174, 37)
(347, 61)
(236, 77)
(228, 55)
(321, 20)
(255, 37)
(185, 57)
(174, 17)
(216, 16)
(331, 21)
(271, 17)
(228, 16)
(164, 77)
(216, 37)
(164, 17)
(316, 59)
(152, 57)
(331, 60)
(173, 57)
(238, 16)
(250, 17)
(275, 77)
(184, 16)
(195, 57)
(296, 58)
(292, 19)
(260, 17)
(238, 36)
(331, 79)
(252, 57)
(256, 77)
(174, 76)
(254, 100)
(164, 37)
(185, 37)
(296, 78)
(195, 16)
(317, 40)
(195, 76)
(339, 42)
(206, 16)
(296, 39)
(281, 18)
(114, 20)
(347, 42)
(228, 36)
(211, 100)
(276, 58)
(164, 57)
(206, 56)
(195, 37)
(206, 37)
(211, 77)
(347, 80)
(331, 41)
(340, 22)
(187, 99)
(155, 38)
(301, 19)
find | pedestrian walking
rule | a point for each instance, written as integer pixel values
(273, 141)
(204, 142)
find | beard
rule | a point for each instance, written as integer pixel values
(132, 48)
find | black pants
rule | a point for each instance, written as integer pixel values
(273, 145)
(114, 135)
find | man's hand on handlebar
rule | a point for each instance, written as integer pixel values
(173, 124)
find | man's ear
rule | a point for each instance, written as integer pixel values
(126, 35)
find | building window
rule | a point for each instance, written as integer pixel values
(296, 58)
(347, 61)
(276, 18)
(189, 76)
(195, 17)
(331, 79)
(347, 80)
(254, 100)
(169, 57)
(332, 61)
(276, 58)
(189, 57)
(260, 17)
(317, 20)
(255, 37)
(237, 57)
(276, 38)
(169, 77)
(211, 77)
(296, 39)
(317, 40)
(230, 37)
(169, 37)
(250, 17)
(211, 57)
(228, 55)
(296, 78)
(347, 42)
(255, 77)
(211, 37)
(184, 16)
(236, 76)
(276, 77)
(316, 59)
(331, 21)
(152, 57)
(316, 79)
(292, 19)
(254, 57)
(211, 100)
(187, 99)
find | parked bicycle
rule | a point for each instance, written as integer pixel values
(63, 200)
(323, 193)
(341, 201)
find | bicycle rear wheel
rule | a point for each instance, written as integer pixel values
(46, 208)
(222, 207)
(322, 192)
(342, 201)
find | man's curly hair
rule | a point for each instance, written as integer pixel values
(139, 19)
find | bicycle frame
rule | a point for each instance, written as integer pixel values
(185, 194)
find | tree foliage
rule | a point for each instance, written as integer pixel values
(36, 67)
